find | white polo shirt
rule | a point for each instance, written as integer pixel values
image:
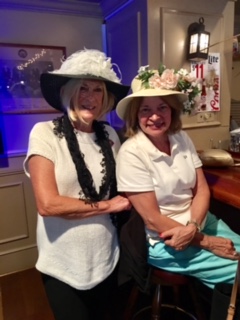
(142, 167)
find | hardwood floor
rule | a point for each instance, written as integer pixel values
(1, 307)
(23, 297)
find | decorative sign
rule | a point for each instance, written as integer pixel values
(20, 68)
(207, 73)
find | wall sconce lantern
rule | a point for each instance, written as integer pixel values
(198, 41)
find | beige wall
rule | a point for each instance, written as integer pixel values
(157, 32)
(66, 27)
(44, 28)
(168, 21)
(17, 207)
(235, 91)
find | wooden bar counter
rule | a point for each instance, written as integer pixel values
(224, 184)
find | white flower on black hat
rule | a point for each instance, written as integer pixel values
(89, 62)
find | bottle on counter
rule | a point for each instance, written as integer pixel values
(203, 96)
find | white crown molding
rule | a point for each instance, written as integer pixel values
(68, 7)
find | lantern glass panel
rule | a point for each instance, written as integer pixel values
(204, 40)
(193, 43)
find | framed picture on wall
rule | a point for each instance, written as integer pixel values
(20, 68)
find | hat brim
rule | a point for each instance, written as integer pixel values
(123, 104)
(51, 85)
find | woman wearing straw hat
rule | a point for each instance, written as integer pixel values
(159, 170)
(71, 164)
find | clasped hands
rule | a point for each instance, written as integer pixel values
(181, 237)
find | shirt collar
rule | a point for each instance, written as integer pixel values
(145, 143)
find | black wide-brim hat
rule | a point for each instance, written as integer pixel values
(87, 64)
(51, 84)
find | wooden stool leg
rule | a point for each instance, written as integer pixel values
(156, 305)
(131, 304)
(176, 295)
(199, 311)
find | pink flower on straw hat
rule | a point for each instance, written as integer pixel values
(168, 80)
(171, 79)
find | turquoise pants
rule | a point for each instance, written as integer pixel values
(199, 263)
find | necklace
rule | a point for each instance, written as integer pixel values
(64, 128)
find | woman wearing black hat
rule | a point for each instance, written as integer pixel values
(71, 163)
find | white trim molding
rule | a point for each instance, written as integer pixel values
(69, 7)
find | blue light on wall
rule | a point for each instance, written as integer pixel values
(120, 8)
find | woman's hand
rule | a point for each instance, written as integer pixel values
(179, 237)
(118, 204)
(114, 205)
(221, 247)
(51, 203)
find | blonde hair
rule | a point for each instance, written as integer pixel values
(70, 97)
(131, 115)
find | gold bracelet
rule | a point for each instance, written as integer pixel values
(195, 223)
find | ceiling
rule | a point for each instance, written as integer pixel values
(237, 12)
(90, 1)
(237, 4)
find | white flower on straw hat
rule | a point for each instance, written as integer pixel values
(171, 79)
(162, 82)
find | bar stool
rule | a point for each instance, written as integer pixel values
(133, 266)
(160, 278)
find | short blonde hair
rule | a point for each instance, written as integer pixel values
(131, 115)
(70, 94)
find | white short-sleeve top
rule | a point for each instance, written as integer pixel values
(142, 167)
(81, 253)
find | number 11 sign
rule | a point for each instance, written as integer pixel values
(207, 73)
